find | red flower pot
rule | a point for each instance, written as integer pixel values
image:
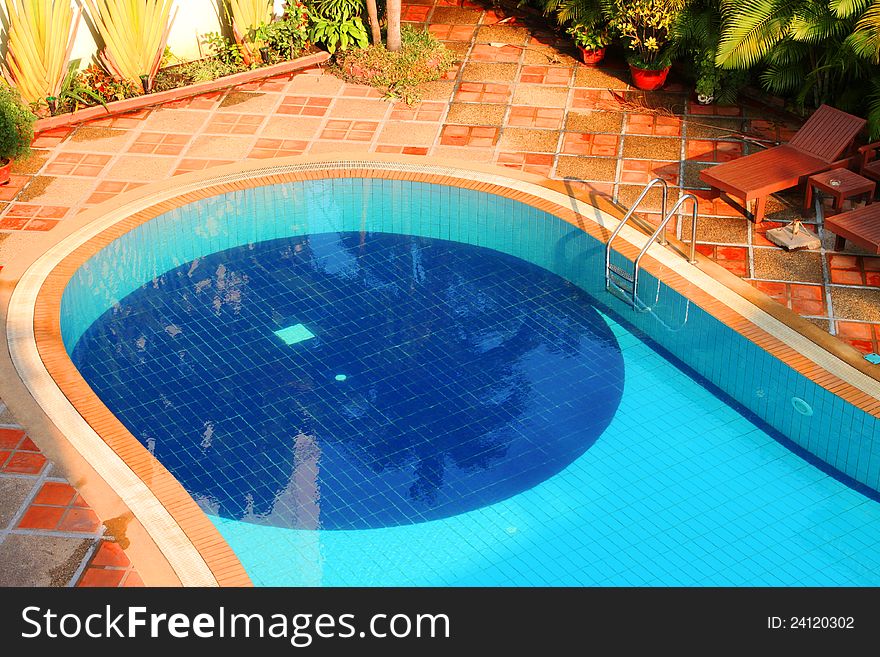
(647, 79)
(5, 171)
(592, 57)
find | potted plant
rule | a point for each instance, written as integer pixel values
(591, 41)
(645, 26)
(16, 130)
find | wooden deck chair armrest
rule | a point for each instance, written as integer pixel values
(868, 152)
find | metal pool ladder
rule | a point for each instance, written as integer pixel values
(624, 284)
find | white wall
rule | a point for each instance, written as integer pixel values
(194, 19)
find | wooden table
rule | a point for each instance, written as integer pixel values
(860, 226)
(841, 184)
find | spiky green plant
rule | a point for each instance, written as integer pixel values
(40, 39)
(135, 33)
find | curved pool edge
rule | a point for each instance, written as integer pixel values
(182, 534)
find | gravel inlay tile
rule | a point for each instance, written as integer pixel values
(502, 34)
(408, 134)
(594, 121)
(654, 148)
(533, 141)
(141, 168)
(31, 163)
(283, 127)
(723, 230)
(171, 120)
(437, 90)
(597, 78)
(856, 303)
(540, 96)
(486, 72)
(776, 264)
(711, 127)
(455, 16)
(586, 168)
(476, 113)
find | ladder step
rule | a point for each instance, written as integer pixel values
(620, 292)
(614, 269)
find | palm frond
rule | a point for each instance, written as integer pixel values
(750, 28)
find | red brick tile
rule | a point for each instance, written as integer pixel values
(10, 438)
(41, 225)
(110, 554)
(854, 330)
(80, 520)
(808, 307)
(56, 494)
(41, 517)
(25, 463)
(864, 346)
(483, 52)
(771, 288)
(101, 577)
(846, 277)
(801, 291)
(133, 580)
(4, 454)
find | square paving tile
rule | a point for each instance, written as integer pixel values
(655, 148)
(289, 127)
(586, 168)
(532, 141)
(141, 168)
(179, 121)
(360, 108)
(401, 133)
(28, 556)
(776, 264)
(487, 72)
(540, 95)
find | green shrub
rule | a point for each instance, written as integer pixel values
(16, 124)
(337, 24)
(421, 58)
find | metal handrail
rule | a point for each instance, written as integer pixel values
(661, 229)
(648, 187)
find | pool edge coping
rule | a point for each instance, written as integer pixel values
(185, 536)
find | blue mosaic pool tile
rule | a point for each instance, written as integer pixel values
(681, 487)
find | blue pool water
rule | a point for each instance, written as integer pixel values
(350, 381)
(386, 383)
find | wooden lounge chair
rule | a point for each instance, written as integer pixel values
(815, 147)
(860, 226)
(869, 163)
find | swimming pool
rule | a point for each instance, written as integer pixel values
(376, 382)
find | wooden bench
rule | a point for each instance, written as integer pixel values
(816, 147)
(860, 226)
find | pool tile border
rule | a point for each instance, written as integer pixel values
(779, 331)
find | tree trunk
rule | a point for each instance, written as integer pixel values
(373, 19)
(393, 15)
(373, 16)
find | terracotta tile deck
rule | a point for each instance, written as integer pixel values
(48, 534)
(517, 98)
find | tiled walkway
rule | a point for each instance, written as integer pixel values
(48, 534)
(516, 98)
